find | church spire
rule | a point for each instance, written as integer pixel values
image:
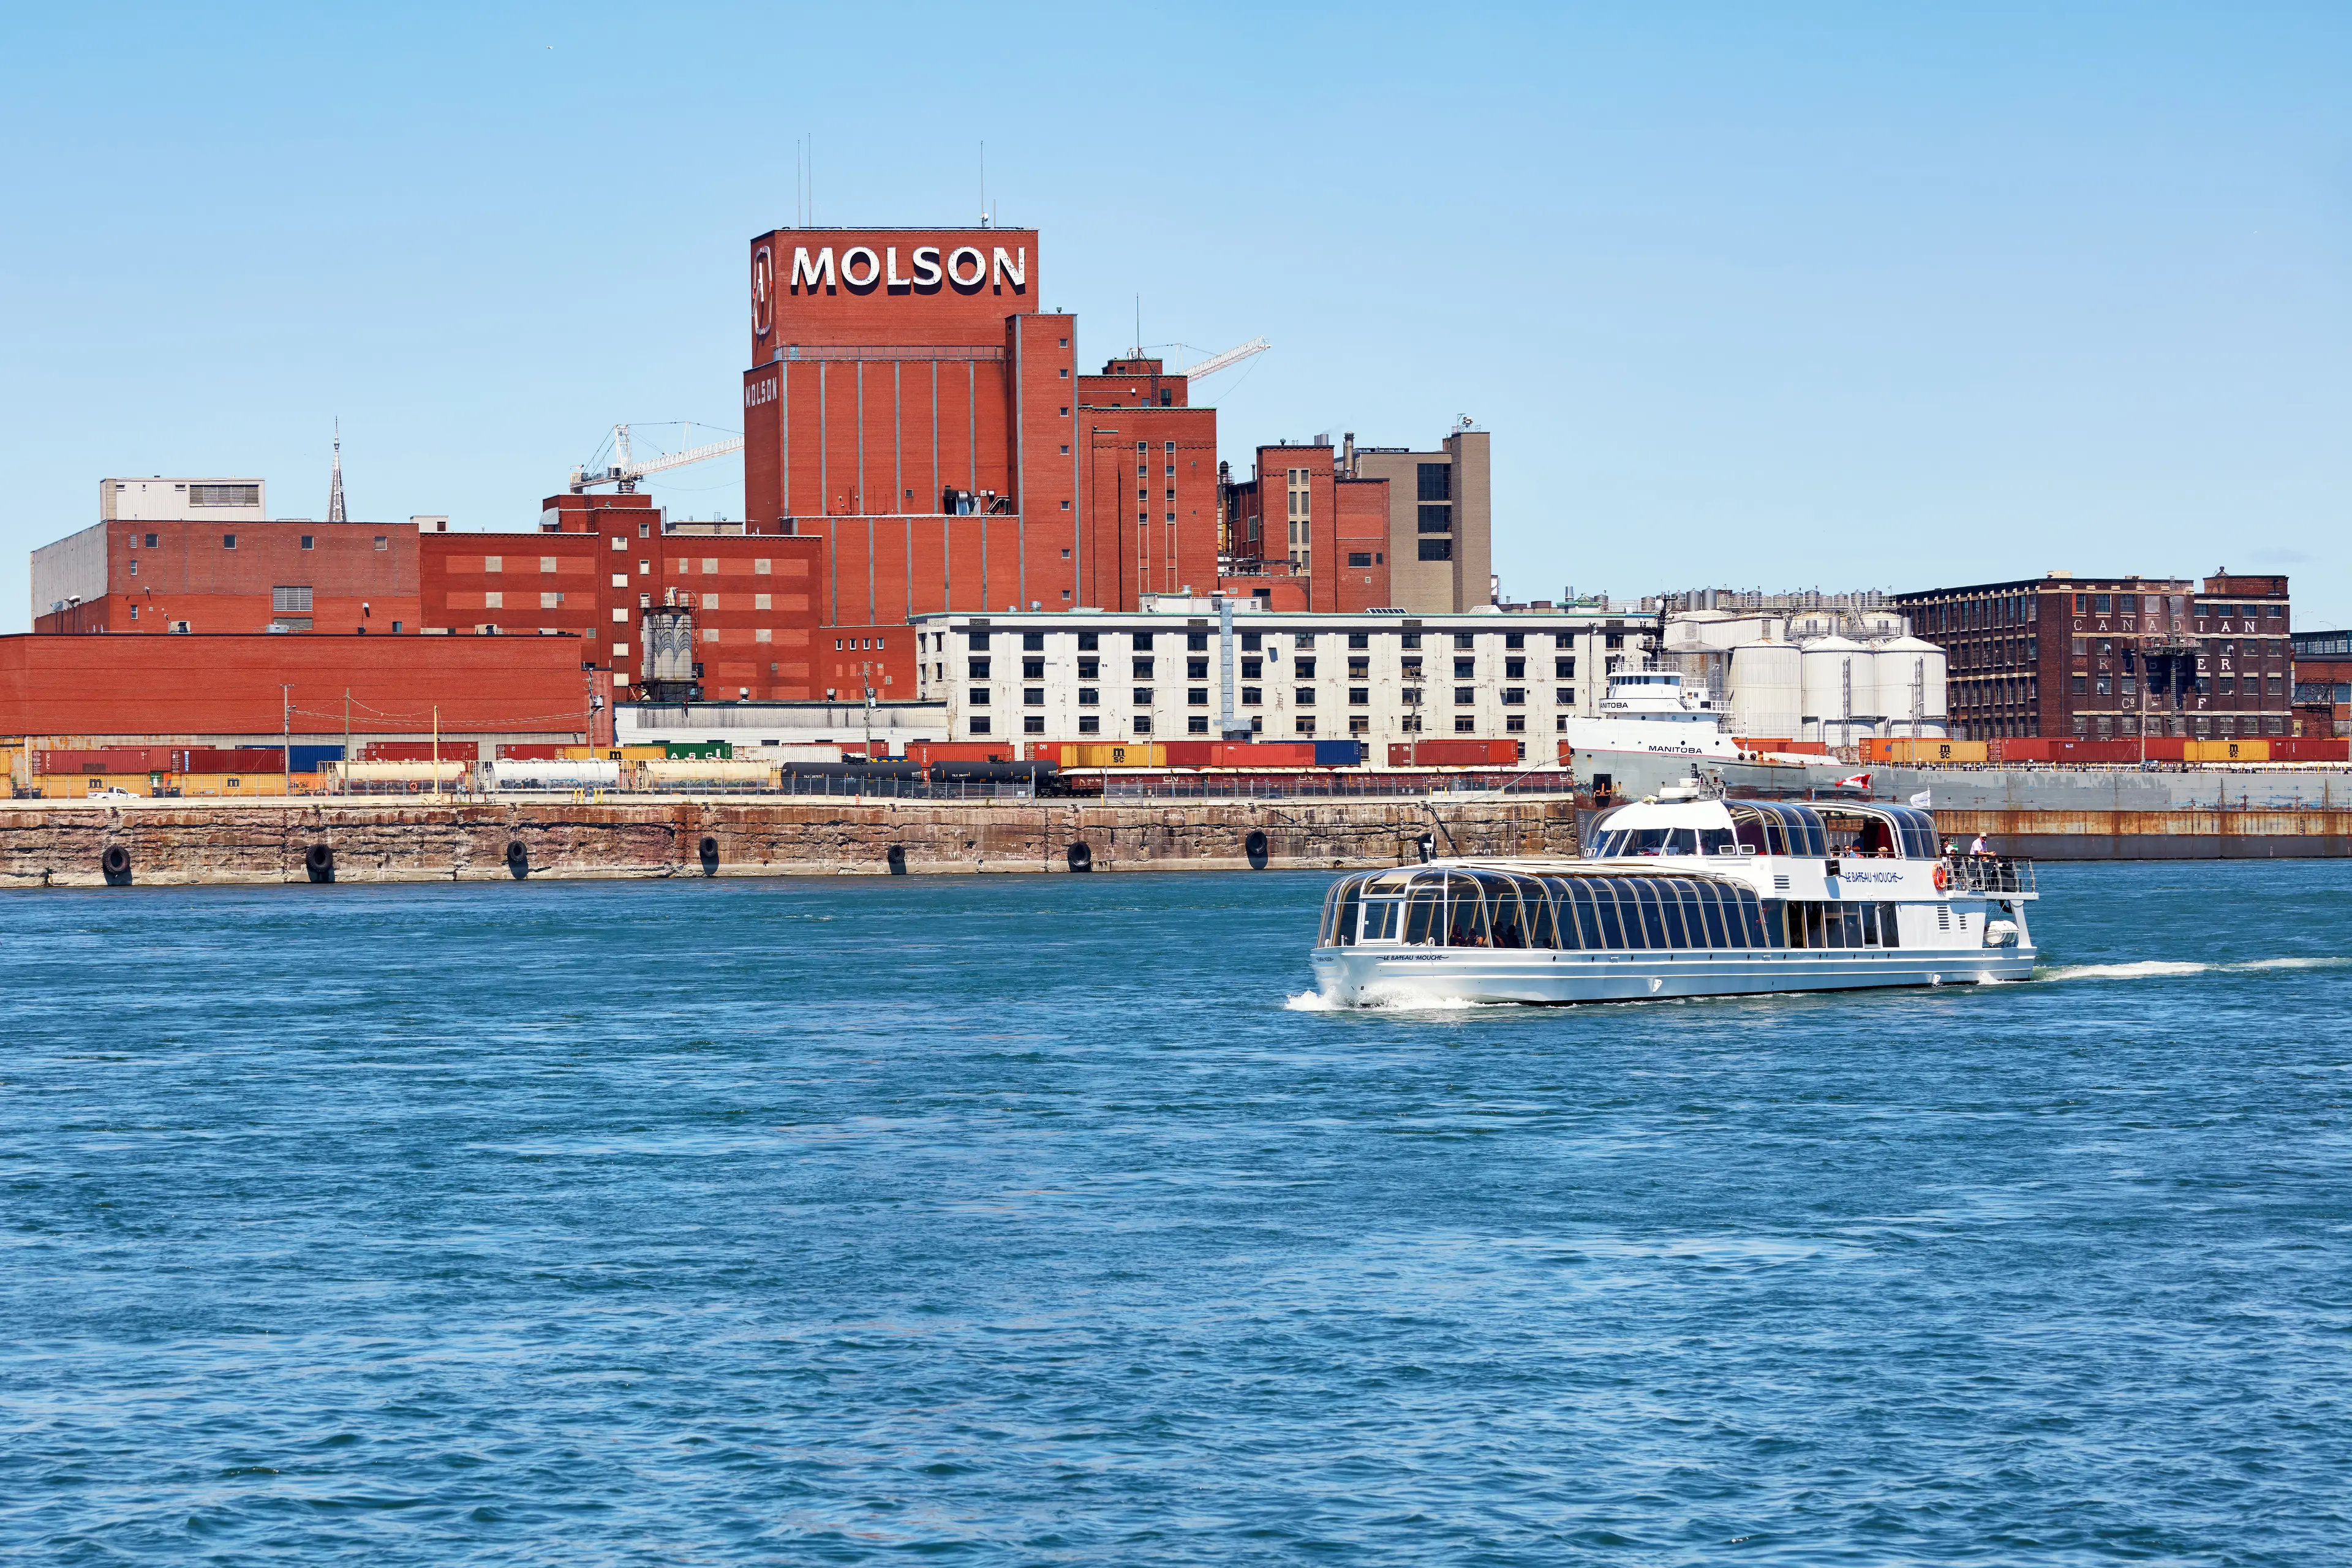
(335, 486)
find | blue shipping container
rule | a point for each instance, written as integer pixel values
(311, 759)
(1338, 753)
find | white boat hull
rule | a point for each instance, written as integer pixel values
(1368, 975)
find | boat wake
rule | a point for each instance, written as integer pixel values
(1317, 1002)
(2159, 969)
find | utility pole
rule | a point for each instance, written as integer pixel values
(343, 784)
(286, 717)
(436, 751)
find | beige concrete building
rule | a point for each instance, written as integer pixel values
(1441, 520)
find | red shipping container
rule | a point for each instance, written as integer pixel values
(1191, 753)
(1262, 755)
(1452, 753)
(925, 753)
(2311, 749)
(531, 751)
(408, 751)
(136, 759)
(70, 762)
(231, 760)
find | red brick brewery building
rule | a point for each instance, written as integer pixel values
(909, 403)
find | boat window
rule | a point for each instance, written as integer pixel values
(1605, 913)
(1330, 903)
(1424, 911)
(1682, 841)
(1506, 918)
(1805, 822)
(1694, 919)
(1381, 919)
(1465, 913)
(1576, 925)
(1653, 924)
(1534, 900)
(1710, 900)
(1917, 829)
(1342, 931)
(1670, 915)
(1890, 930)
(1645, 841)
(1869, 913)
(1716, 841)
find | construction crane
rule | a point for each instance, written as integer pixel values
(625, 469)
(1226, 360)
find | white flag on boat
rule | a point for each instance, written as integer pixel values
(1920, 799)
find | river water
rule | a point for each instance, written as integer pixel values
(1034, 1219)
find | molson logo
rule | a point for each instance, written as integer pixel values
(861, 270)
(760, 391)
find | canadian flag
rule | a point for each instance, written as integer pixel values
(1859, 780)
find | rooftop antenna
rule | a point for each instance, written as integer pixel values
(983, 185)
(1138, 352)
(335, 483)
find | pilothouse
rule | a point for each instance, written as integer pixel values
(1687, 898)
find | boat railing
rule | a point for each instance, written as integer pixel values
(1990, 874)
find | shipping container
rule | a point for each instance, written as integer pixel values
(79, 786)
(1190, 753)
(194, 783)
(924, 752)
(407, 751)
(1906, 750)
(542, 752)
(2249, 751)
(674, 751)
(1338, 753)
(1262, 755)
(1113, 754)
(1455, 752)
(2311, 749)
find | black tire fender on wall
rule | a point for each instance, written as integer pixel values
(1080, 856)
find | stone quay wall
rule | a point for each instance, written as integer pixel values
(353, 840)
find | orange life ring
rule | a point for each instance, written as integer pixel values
(1943, 877)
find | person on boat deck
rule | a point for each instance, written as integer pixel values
(1978, 846)
(1873, 839)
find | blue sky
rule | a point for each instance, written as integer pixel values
(1789, 296)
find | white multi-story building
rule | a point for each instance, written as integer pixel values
(1161, 673)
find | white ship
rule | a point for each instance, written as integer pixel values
(1685, 897)
(1650, 711)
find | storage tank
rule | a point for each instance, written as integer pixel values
(687, 773)
(1901, 662)
(550, 773)
(1827, 662)
(1765, 690)
(446, 771)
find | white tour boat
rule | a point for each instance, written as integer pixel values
(1687, 896)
